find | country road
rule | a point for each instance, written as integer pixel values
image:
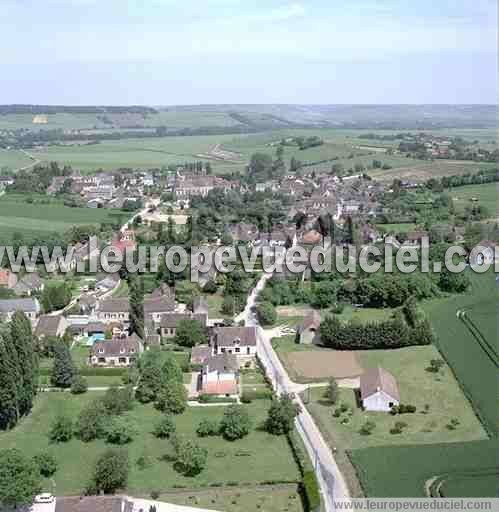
(331, 481)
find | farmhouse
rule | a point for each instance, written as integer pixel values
(116, 352)
(378, 390)
(29, 284)
(114, 310)
(51, 325)
(157, 306)
(240, 341)
(308, 331)
(30, 307)
(220, 375)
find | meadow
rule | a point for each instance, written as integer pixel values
(257, 458)
(407, 471)
(486, 194)
(11, 160)
(44, 216)
(474, 369)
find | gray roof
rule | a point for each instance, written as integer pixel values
(47, 325)
(118, 347)
(91, 504)
(229, 336)
(10, 305)
(378, 379)
(172, 320)
(221, 363)
(162, 304)
(118, 305)
(200, 354)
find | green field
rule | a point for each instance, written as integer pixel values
(12, 160)
(474, 369)
(486, 194)
(35, 219)
(257, 458)
(406, 471)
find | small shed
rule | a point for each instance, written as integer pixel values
(378, 390)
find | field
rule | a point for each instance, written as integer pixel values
(485, 193)
(344, 146)
(474, 369)
(407, 471)
(37, 219)
(417, 386)
(277, 498)
(12, 160)
(257, 458)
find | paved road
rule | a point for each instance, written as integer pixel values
(328, 473)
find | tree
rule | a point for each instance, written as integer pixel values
(63, 370)
(79, 385)
(332, 392)
(46, 464)
(173, 398)
(55, 297)
(453, 282)
(260, 166)
(190, 333)
(92, 421)
(22, 339)
(190, 457)
(118, 400)
(19, 479)
(111, 471)
(136, 294)
(152, 379)
(267, 314)
(172, 371)
(281, 415)
(61, 430)
(9, 381)
(165, 427)
(235, 423)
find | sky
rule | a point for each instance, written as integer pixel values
(184, 52)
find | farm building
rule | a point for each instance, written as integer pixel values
(378, 390)
(308, 331)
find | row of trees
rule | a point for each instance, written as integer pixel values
(18, 370)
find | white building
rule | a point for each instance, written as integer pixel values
(378, 390)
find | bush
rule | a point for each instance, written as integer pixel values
(208, 428)
(311, 491)
(79, 385)
(210, 287)
(367, 428)
(256, 394)
(46, 463)
(172, 399)
(120, 430)
(61, 430)
(190, 457)
(111, 471)
(235, 423)
(281, 415)
(118, 400)
(92, 421)
(165, 427)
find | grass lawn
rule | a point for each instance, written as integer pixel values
(486, 194)
(13, 159)
(273, 499)
(403, 227)
(257, 458)
(417, 387)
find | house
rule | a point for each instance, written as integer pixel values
(163, 290)
(485, 253)
(117, 309)
(310, 238)
(7, 279)
(29, 284)
(87, 303)
(51, 325)
(30, 307)
(116, 352)
(378, 390)
(240, 341)
(92, 504)
(170, 321)
(200, 354)
(308, 331)
(415, 238)
(157, 306)
(243, 232)
(220, 375)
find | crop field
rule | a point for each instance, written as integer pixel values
(408, 471)
(18, 216)
(466, 353)
(12, 160)
(486, 194)
(257, 458)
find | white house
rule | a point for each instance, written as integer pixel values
(240, 341)
(378, 390)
